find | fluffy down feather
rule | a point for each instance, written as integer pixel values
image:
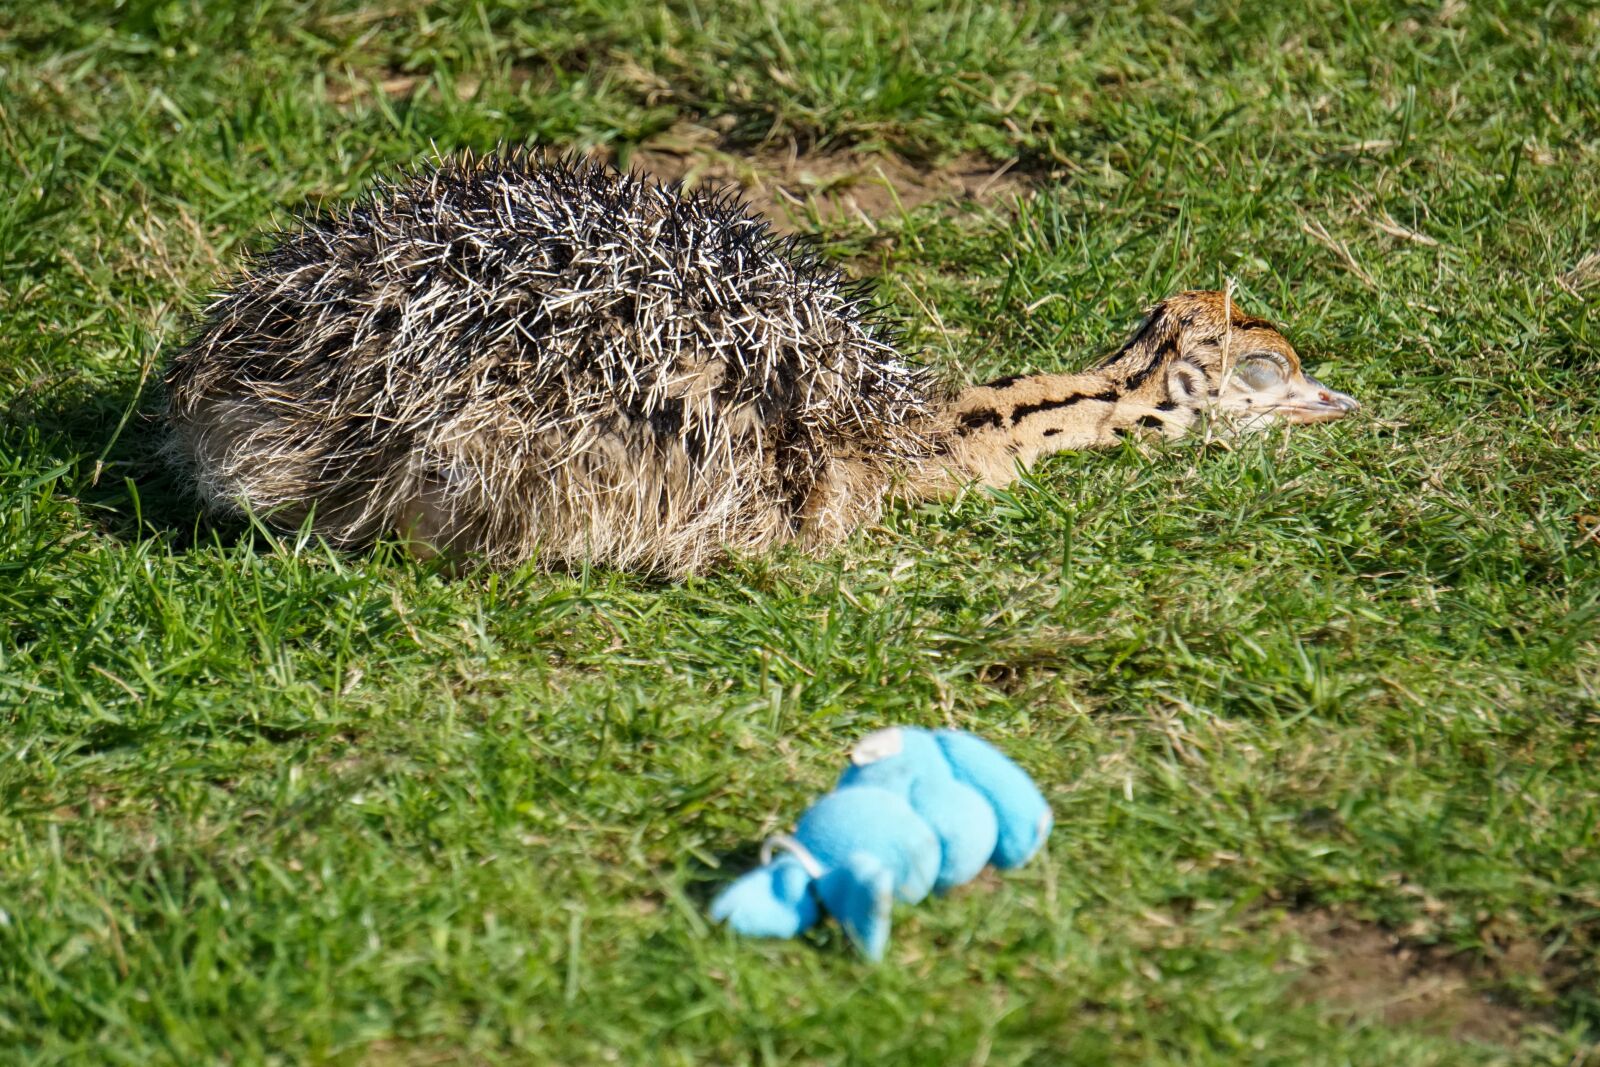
(516, 358)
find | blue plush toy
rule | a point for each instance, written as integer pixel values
(917, 810)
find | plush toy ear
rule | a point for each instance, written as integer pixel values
(879, 745)
(860, 894)
(893, 759)
(770, 901)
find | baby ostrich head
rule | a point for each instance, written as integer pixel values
(1195, 355)
(1214, 358)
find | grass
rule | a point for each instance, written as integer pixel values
(263, 802)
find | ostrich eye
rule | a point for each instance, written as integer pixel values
(1262, 371)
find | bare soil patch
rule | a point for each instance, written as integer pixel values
(1365, 971)
(838, 186)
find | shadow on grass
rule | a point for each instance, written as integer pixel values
(703, 881)
(103, 442)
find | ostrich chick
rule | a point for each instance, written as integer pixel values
(511, 358)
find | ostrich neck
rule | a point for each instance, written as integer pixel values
(989, 430)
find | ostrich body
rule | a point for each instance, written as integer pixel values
(510, 358)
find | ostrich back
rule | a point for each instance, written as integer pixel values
(528, 359)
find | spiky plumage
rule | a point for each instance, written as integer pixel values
(514, 357)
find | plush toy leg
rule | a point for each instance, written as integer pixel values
(860, 895)
(1023, 815)
(774, 900)
(965, 825)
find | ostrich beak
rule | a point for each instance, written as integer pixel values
(1318, 403)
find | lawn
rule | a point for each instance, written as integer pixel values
(1317, 713)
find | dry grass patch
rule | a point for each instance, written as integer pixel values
(1585, 273)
